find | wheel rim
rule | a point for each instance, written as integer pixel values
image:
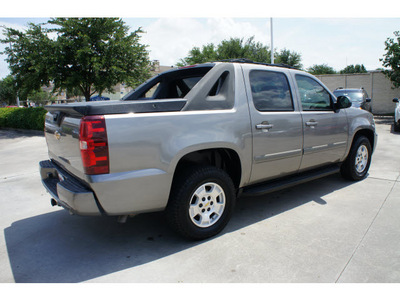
(361, 159)
(207, 205)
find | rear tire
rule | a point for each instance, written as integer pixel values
(201, 202)
(357, 163)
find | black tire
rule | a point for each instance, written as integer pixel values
(356, 165)
(189, 207)
(396, 126)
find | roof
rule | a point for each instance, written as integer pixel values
(248, 61)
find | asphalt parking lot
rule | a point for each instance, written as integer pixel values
(329, 230)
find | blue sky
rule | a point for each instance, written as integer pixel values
(329, 40)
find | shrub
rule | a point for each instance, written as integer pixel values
(22, 118)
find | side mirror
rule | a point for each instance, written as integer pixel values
(342, 102)
(396, 100)
(368, 100)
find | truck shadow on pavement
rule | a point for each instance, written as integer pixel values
(57, 247)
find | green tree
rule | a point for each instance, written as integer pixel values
(228, 49)
(91, 54)
(74, 92)
(238, 48)
(197, 56)
(352, 69)
(392, 59)
(41, 97)
(8, 90)
(235, 48)
(290, 58)
(321, 69)
(30, 57)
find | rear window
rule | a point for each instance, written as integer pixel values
(169, 85)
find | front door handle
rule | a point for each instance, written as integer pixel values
(312, 123)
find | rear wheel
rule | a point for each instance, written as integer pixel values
(357, 164)
(201, 202)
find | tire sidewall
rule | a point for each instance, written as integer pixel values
(354, 174)
(181, 201)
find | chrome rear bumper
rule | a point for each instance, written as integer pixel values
(67, 191)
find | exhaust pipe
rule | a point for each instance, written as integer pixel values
(54, 202)
(122, 219)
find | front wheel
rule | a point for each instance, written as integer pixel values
(357, 164)
(201, 202)
(396, 126)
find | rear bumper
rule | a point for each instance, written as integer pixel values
(68, 191)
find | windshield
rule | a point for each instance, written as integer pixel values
(353, 96)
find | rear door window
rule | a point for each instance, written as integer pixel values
(270, 91)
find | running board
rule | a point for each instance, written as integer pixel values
(286, 182)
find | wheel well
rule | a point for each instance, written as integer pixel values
(368, 134)
(225, 159)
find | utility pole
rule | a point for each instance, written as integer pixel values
(272, 43)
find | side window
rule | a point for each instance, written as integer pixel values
(219, 84)
(313, 95)
(180, 87)
(270, 91)
(150, 93)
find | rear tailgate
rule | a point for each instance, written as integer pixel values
(62, 137)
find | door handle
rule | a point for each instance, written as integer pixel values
(312, 123)
(264, 126)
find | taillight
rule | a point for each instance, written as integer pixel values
(94, 145)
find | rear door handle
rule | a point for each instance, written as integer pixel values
(264, 126)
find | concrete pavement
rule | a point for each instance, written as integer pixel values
(329, 230)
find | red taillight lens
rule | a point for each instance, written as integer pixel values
(94, 145)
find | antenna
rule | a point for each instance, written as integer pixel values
(272, 42)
